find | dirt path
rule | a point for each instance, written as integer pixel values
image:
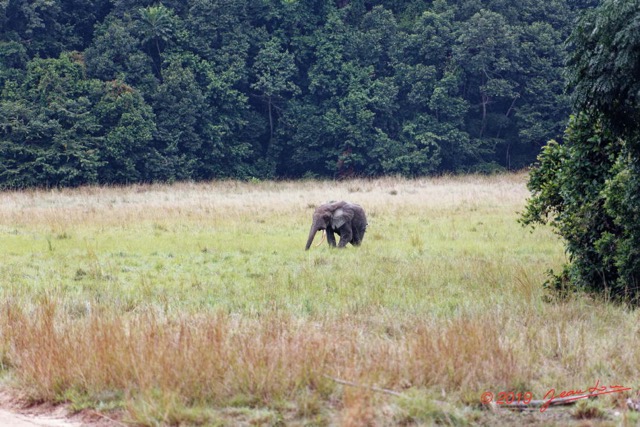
(13, 419)
(13, 413)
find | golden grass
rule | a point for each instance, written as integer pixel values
(196, 304)
(219, 200)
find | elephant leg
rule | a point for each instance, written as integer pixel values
(346, 235)
(357, 237)
(331, 238)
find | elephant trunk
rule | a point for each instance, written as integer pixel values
(312, 234)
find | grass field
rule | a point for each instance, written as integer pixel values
(195, 304)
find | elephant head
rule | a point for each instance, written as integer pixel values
(347, 220)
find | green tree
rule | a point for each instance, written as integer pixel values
(353, 102)
(589, 188)
(180, 109)
(58, 128)
(47, 28)
(543, 106)
(116, 53)
(13, 59)
(48, 136)
(128, 126)
(487, 50)
(432, 105)
(231, 128)
(156, 26)
(274, 69)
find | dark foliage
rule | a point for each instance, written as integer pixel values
(107, 91)
(589, 188)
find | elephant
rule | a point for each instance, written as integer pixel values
(346, 219)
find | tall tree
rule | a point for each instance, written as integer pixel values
(179, 105)
(59, 129)
(117, 53)
(487, 50)
(589, 188)
(156, 25)
(274, 69)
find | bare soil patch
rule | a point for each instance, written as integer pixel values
(15, 411)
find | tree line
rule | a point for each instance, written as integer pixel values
(122, 91)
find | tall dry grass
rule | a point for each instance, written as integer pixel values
(217, 358)
(225, 360)
(113, 206)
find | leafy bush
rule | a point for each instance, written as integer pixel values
(589, 188)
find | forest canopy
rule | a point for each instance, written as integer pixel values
(122, 91)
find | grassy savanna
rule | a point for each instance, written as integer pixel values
(195, 304)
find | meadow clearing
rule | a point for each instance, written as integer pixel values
(196, 304)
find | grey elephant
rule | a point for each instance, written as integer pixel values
(346, 219)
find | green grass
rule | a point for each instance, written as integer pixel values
(215, 314)
(251, 263)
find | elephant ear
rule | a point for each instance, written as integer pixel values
(340, 216)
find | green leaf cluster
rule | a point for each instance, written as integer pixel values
(115, 91)
(589, 188)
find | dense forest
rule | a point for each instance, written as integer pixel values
(121, 91)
